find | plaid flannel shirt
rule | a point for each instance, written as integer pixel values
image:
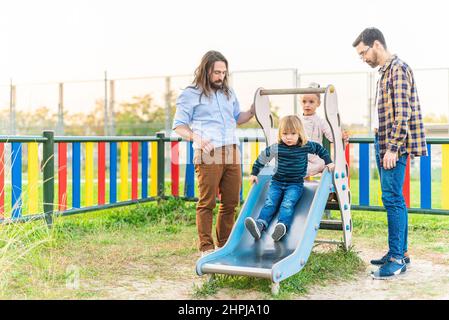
(401, 127)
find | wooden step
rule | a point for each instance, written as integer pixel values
(331, 225)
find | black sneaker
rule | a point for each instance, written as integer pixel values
(254, 227)
(279, 231)
(385, 258)
(381, 261)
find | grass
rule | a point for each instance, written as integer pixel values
(89, 256)
(374, 189)
(98, 246)
(426, 232)
(321, 269)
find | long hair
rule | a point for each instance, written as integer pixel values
(292, 124)
(202, 78)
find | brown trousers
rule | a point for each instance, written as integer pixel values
(218, 171)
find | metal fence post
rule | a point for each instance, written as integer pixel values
(295, 85)
(106, 112)
(49, 176)
(12, 109)
(60, 124)
(167, 105)
(111, 107)
(372, 94)
(160, 164)
(448, 96)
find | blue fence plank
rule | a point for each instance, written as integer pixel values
(241, 168)
(16, 177)
(113, 172)
(189, 186)
(364, 178)
(76, 175)
(426, 179)
(145, 169)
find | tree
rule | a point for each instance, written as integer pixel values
(253, 124)
(433, 118)
(91, 123)
(36, 121)
(141, 116)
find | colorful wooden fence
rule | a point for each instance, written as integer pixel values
(137, 173)
(366, 168)
(80, 174)
(120, 190)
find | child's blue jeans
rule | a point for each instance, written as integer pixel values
(283, 194)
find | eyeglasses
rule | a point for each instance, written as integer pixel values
(362, 54)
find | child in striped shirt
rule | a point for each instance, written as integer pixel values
(286, 186)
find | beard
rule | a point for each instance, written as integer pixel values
(217, 85)
(374, 62)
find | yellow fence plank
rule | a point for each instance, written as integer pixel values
(445, 177)
(33, 177)
(89, 174)
(153, 173)
(123, 171)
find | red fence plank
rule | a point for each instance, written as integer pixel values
(175, 168)
(62, 176)
(348, 157)
(406, 188)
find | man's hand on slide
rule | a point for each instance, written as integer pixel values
(252, 109)
(331, 166)
(253, 179)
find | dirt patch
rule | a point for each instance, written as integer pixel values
(425, 279)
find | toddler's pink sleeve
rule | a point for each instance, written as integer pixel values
(326, 129)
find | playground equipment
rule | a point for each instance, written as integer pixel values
(264, 258)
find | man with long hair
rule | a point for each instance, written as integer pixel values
(207, 113)
(399, 132)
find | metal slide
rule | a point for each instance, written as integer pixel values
(264, 258)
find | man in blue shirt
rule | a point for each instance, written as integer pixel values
(207, 113)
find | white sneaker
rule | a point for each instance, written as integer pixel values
(254, 227)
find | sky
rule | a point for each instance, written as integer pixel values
(50, 41)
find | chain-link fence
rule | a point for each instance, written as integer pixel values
(145, 105)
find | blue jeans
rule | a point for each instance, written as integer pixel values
(283, 194)
(391, 182)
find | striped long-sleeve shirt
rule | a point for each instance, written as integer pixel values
(291, 161)
(401, 126)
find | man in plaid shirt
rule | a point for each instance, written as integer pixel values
(399, 132)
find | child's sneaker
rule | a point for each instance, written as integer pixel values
(254, 227)
(279, 231)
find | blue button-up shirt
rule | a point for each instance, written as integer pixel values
(213, 118)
